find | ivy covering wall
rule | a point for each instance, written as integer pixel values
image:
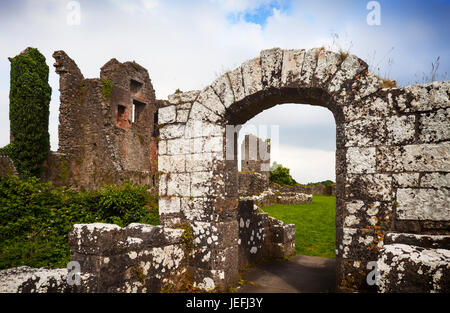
(29, 111)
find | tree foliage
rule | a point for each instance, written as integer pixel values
(281, 175)
(35, 218)
(29, 112)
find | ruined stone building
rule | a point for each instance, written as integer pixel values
(254, 178)
(255, 155)
(392, 176)
(107, 126)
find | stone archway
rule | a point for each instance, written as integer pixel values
(386, 143)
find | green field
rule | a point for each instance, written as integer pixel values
(315, 231)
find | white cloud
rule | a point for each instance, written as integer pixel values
(135, 6)
(291, 115)
(184, 44)
(306, 165)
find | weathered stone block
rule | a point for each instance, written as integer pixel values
(223, 89)
(271, 67)
(200, 112)
(414, 158)
(201, 162)
(25, 279)
(210, 100)
(366, 109)
(351, 66)
(97, 239)
(358, 244)
(201, 184)
(400, 129)
(236, 82)
(167, 114)
(171, 131)
(423, 204)
(360, 214)
(405, 180)
(327, 64)
(292, 67)
(178, 146)
(168, 205)
(435, 127)
(408, 268)
(424, 97)
(179, 185)
(182, 116)
(171, 164)
(365, 132)
(364, 85)
(197, 209)
(162, 147)
(436, 180)
(251, 75)
(199, 128)
(361, 160)
(309, 66)
(376, 187)
(352, 274)
(425, 241)
(183, 97)
(282, 234)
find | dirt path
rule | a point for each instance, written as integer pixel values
(299, 274)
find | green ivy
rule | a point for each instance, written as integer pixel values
(106, 88)
(29, 112)
(35, 217)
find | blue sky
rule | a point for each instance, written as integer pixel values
(187, 44)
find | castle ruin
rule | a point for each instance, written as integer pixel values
(107, 127)
(392, 174)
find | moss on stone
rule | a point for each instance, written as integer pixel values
(107, 88)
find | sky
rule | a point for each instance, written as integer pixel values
(187, 44)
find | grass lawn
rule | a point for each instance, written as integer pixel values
(315, 231)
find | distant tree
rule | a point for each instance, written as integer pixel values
(281, 175)
(325, 183)
(29, 111)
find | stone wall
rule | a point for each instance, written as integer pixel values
(314, 190)
(137, 258)
(392, 156)
(392, 175)
(252, 183)
(142, 258)
(255, 155)
(262, 236)
(414, 263)
(256, 187)
(107, 126)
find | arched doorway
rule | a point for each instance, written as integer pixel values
(198, 163)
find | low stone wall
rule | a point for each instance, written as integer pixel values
(262, 236)
(414, 263)
(25, 279)
(145, 258)
(137, 258)
(271, 197)
(252, 183)
(315, 190)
